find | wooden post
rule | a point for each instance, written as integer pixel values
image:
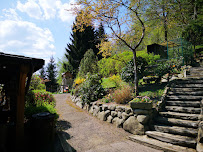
(20, 107)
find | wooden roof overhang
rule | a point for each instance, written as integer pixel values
(16, 72)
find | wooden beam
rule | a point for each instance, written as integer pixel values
(24, 69)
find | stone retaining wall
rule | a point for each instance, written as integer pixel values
(135, 121)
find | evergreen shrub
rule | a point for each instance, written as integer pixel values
(91, 90)
(128, 72)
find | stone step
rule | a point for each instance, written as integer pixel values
(184, 116)
(183, 103)
(174, 139)
(177, 122)
(191, 132)
(186, 89)
(196, 73)
(157, 144)
(189, 81)
(198, 69)
(184, 98)
(197, 93)
(187, 85)
(195, 76)
(183, 109)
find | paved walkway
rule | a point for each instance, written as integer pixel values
(85, 133)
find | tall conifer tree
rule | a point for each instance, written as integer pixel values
(51, 75)
(81, 41)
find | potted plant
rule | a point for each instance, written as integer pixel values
(141, 103)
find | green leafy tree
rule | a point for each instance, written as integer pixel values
(88, 64)
(116, 15)
(51, 75)
(194, 32)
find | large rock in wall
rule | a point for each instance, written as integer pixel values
(199, 147)
(133, 126)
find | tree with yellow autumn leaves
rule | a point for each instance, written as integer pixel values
(118, 16)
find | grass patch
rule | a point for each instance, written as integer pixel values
(153, 91)
(108, 83)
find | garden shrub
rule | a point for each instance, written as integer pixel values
(36, 83)
(78, 81)
(88, 64)
(116, 79)
(39, 101)
(91, 90)
(113, 65)
(128, 72)
(149, 57)
(122, 95)
(170, 66)
(39, 97)
(45, 107)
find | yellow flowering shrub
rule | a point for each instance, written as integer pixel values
(78, 81)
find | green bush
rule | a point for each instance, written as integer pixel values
(36, 83)
(113, 65)
(45, 107)
(170, 66)
(128, 72)
(39, 97)
(88, 64)
(39, 101)
(91, 90)
(149, 57)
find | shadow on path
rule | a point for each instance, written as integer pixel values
(62, 126)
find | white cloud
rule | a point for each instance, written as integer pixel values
(47, 9)
(64, 12)
(25, 38)
(11, 14)
(31, 8)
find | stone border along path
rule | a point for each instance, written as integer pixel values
(82, 132)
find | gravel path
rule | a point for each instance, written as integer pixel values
(85, 133)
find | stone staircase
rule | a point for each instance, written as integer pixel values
(178, 122)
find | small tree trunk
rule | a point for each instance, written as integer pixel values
(135, 75)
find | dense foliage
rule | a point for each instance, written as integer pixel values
(39, 101)
(170, 66)
(91, 90)
(128, 72)
(88, 64)
(36, 83)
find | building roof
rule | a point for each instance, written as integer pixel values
(18, 59)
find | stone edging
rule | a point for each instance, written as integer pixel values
(135, 121)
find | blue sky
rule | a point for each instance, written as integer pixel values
(35, 28)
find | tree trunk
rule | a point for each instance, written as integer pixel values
(135, 75)
(165, 23)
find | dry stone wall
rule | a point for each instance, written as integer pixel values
(135, 121)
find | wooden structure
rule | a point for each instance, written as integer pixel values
(157, 50)
(15, 76)
(67, 81)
